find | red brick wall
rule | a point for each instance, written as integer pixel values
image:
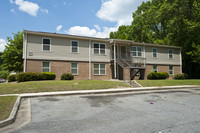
(60, 67)
(162, 68)
(108, 75)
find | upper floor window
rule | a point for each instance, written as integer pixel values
(171, 70)
(170, 53)
(46, 44)
(155, 52)
(74, 68)
(74, 47)
(99, 48)
(136, 51)
(155, 68)
(45, 66)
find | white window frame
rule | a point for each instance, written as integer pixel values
(171, 70)
(99, 69)
(46, 67)
(46, 44)
(155, 52)
(74, 68)
(156, 68)
(73, 46)
(99, 48)
(137, 51)
(169, 54)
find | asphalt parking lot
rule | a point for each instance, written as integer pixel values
(154, 112)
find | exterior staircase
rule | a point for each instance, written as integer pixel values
(134, 64)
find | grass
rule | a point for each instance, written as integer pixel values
(6, 105)
(149, 83)
(58, 85)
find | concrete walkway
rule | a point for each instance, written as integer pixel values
(25, 104)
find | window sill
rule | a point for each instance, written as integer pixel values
(99, 74)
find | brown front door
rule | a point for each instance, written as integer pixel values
(123, 51)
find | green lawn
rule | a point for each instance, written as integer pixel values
(6, 105)
(58, 85)
(149, 83)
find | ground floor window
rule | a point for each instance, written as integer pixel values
(171, 70)
(74, 68)
(99, 69)
(45, 66)
(155, 68)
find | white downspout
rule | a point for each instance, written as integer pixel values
(25, 43)
(181, 62)
(115, 70)
(144, 56)
(90, 60)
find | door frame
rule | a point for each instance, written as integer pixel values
(121, 51)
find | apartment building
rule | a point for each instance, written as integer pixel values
(97, 58)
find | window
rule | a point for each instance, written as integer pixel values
(136, 51)
(74, 68)
(74, 47)
(171, 70)
(45, 66)
(99, 48)
(46, 44)
(155, 52)
(99, 69)
(155, 68)
(170, 52)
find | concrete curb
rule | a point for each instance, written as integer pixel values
(12, 115)
(14, 111)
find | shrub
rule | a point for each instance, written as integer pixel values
(157, 75)
(11, 78)
(4, 74)
(181, 76)
(34, 76)
(48, 76)
(67, 76)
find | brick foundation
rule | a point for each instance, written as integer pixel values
(162, 68)
(60, 67)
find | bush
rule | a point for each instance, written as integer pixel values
(181, 76)
(34, 76)
(157, 75)
(11, 78)
(67, 76)
(4, 74)
(48, 76)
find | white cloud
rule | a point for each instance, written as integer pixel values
(44, 11)
(2, 44)
(65, 3)
(13, 11)
(85, 31)
(11, 1)
(58, 28)
(26, 6)
(97, 27)
(119, 11)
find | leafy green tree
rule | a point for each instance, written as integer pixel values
(1, 61)
(4, 74)
(170, 22)
(12, 55)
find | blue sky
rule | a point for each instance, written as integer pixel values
(95, 18)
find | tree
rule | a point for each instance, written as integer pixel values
(1, 61)
(12, 55)
(170, 22)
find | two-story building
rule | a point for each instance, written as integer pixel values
(97, 58)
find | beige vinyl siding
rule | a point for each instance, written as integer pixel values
(163, 57)
(60, 50)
